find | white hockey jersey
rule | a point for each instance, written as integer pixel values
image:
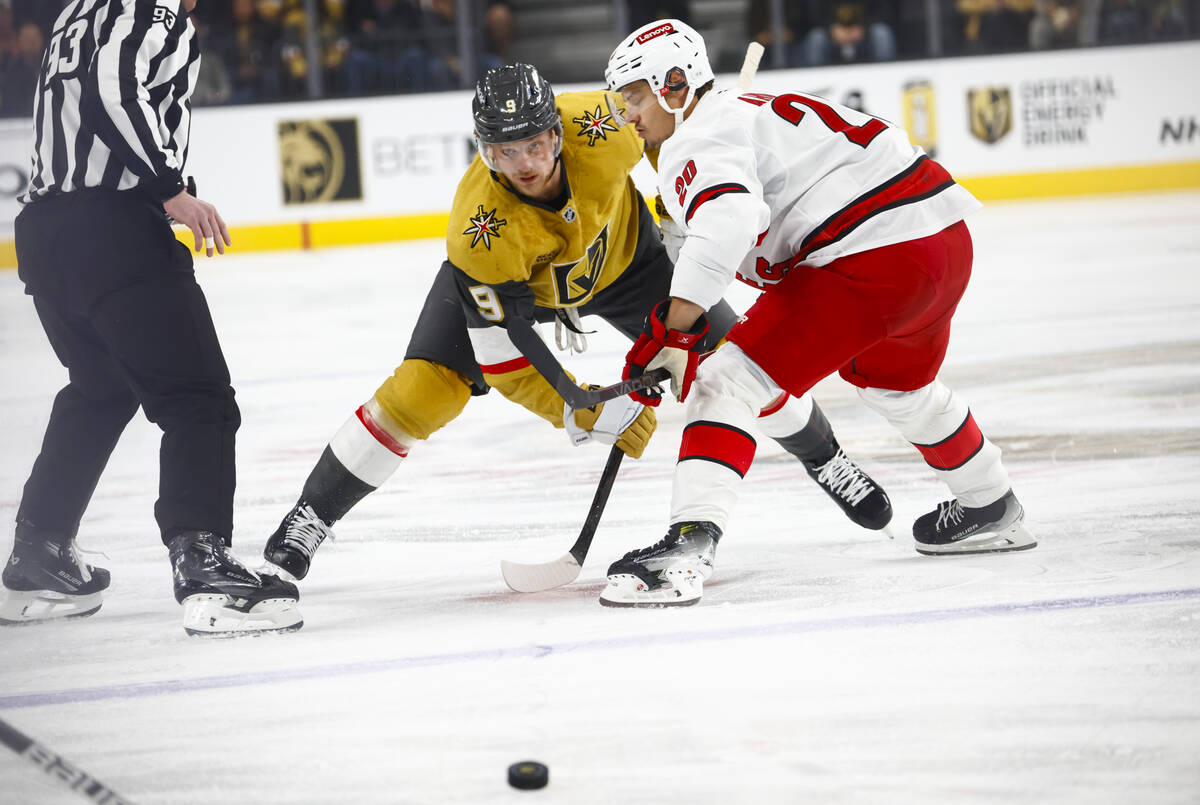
(762, 183)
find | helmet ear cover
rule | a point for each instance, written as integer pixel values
(674, 80)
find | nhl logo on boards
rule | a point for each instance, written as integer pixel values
(569, 215)
(990, 111)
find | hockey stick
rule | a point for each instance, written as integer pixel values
(565, 569)
(754, 54)
(57, 768)
(542, 359)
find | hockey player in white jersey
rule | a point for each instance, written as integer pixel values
(856, 238)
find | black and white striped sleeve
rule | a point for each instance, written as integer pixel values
(132, 96)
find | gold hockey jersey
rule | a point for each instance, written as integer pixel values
(567, 255)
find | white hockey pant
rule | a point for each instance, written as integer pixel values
(718, 446)
(939, 424)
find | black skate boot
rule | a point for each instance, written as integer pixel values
(47, 580)
(956, 529)
(853, 490)
(290, 549)
(221, 597)
(671, 572)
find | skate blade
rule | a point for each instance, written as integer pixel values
(269, 568)
(1016, 538)
(37, 606)
(627, 590)
(209, 615)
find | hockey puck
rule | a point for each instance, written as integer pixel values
(528, 775)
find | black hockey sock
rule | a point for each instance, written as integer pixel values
(815, 442)
(332, 490)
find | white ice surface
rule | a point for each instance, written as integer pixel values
(824, 665)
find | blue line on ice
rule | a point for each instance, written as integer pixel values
(139, 690)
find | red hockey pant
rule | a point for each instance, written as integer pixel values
(880, 318)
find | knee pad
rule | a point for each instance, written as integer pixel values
(924, 416)
(421, 397)
(729, 387)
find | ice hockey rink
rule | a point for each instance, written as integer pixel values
(825, 664)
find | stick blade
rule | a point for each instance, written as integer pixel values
(536, 578)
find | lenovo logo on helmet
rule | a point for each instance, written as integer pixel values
(665, 28)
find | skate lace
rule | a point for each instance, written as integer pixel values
(307, 530)
(669, 541)
(77, 554)
(950, 513)
(845, 479)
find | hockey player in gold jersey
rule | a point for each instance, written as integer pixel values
(546, 226)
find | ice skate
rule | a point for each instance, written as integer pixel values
(669, 573)
(863, 501)
(221, 597)
(956, 529)
(47, 580)
(290, 549)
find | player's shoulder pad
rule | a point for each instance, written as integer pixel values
(590, 131)
(483, 237)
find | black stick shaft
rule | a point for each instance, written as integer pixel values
(58, 769)
(580, 549)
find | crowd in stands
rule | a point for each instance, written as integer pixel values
(257, 50)
(816, 32)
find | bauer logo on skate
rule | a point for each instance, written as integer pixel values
(665, 28)
(484, 226)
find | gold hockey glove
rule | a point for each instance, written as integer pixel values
(622, 421)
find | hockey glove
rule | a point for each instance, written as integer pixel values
(621, 421)
(658, 346)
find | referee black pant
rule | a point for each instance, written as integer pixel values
(118, 299)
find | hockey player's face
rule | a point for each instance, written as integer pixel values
(530, 165)
(653, 123)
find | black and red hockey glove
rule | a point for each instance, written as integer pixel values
(657, 346)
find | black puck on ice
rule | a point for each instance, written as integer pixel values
(528, 775)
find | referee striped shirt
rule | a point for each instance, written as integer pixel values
(112, 105)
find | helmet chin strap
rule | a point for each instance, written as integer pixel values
(679, 113)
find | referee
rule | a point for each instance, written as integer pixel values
(118, 299)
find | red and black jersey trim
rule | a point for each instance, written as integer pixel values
(708, 194)
(719, 443)
(919, 181)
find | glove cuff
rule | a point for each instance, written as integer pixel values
(680, 339)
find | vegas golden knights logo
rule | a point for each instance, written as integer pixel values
(573, 282)
(991, 113)
(920, 116)
(318, 161)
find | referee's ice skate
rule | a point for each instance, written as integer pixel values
(221, 597)
(46, 579)
(956, 529)
(671, 572)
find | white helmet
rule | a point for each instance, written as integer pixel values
(653, 52)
